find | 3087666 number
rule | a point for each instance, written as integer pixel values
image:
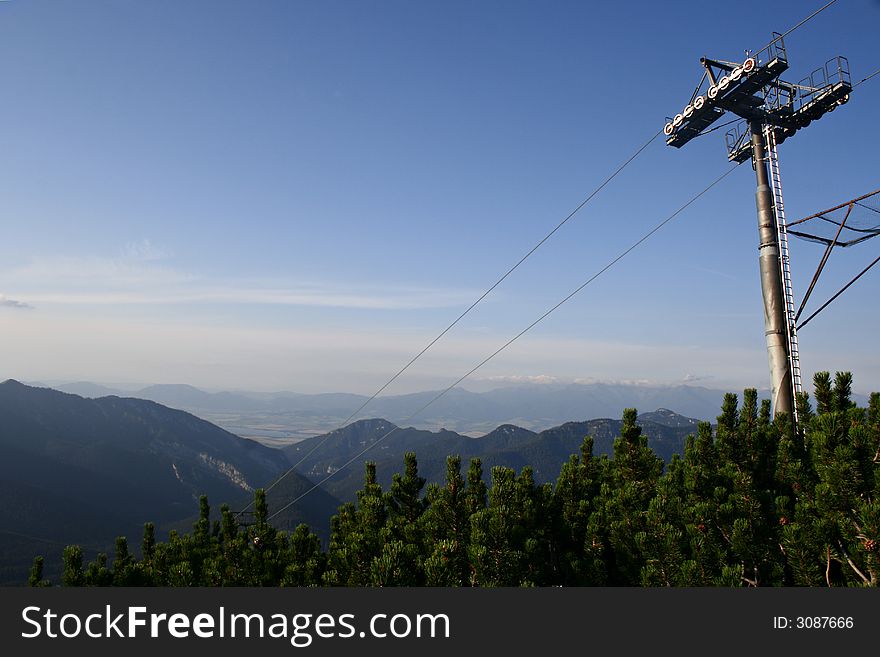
(823, 622)
(813, 623)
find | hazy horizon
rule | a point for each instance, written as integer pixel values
(475, 385)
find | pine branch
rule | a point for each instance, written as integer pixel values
(865, 580)
(855, 522)
(828, 566)
(750, 582)
(724, 536)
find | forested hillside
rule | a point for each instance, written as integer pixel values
(507, 445)
(756, 502)
(87, 470)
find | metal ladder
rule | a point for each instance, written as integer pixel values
(784, 264)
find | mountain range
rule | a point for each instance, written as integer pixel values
(279, 418)
(507, 445)
(87, 470)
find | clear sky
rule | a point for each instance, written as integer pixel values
(299, 195)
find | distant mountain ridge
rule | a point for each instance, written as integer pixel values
(87, 470)
(507, 445)
(545, 400)
(283, 417)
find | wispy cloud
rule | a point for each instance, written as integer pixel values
(292, 296)
(144, 251)
(589, 380)
(141, 275)
(6, 302)
(543, 379)
(128, 270)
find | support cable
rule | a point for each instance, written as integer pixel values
(821, 266)
(403, 369)
(842, 290)
(807, 19)
(866, 79)
(697, 88)
(528, 328)
(718, 127)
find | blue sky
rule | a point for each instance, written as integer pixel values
(299, 195)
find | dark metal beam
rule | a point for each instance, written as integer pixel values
(822, 263)
(836, 207)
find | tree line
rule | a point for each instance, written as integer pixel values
(755, 501)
